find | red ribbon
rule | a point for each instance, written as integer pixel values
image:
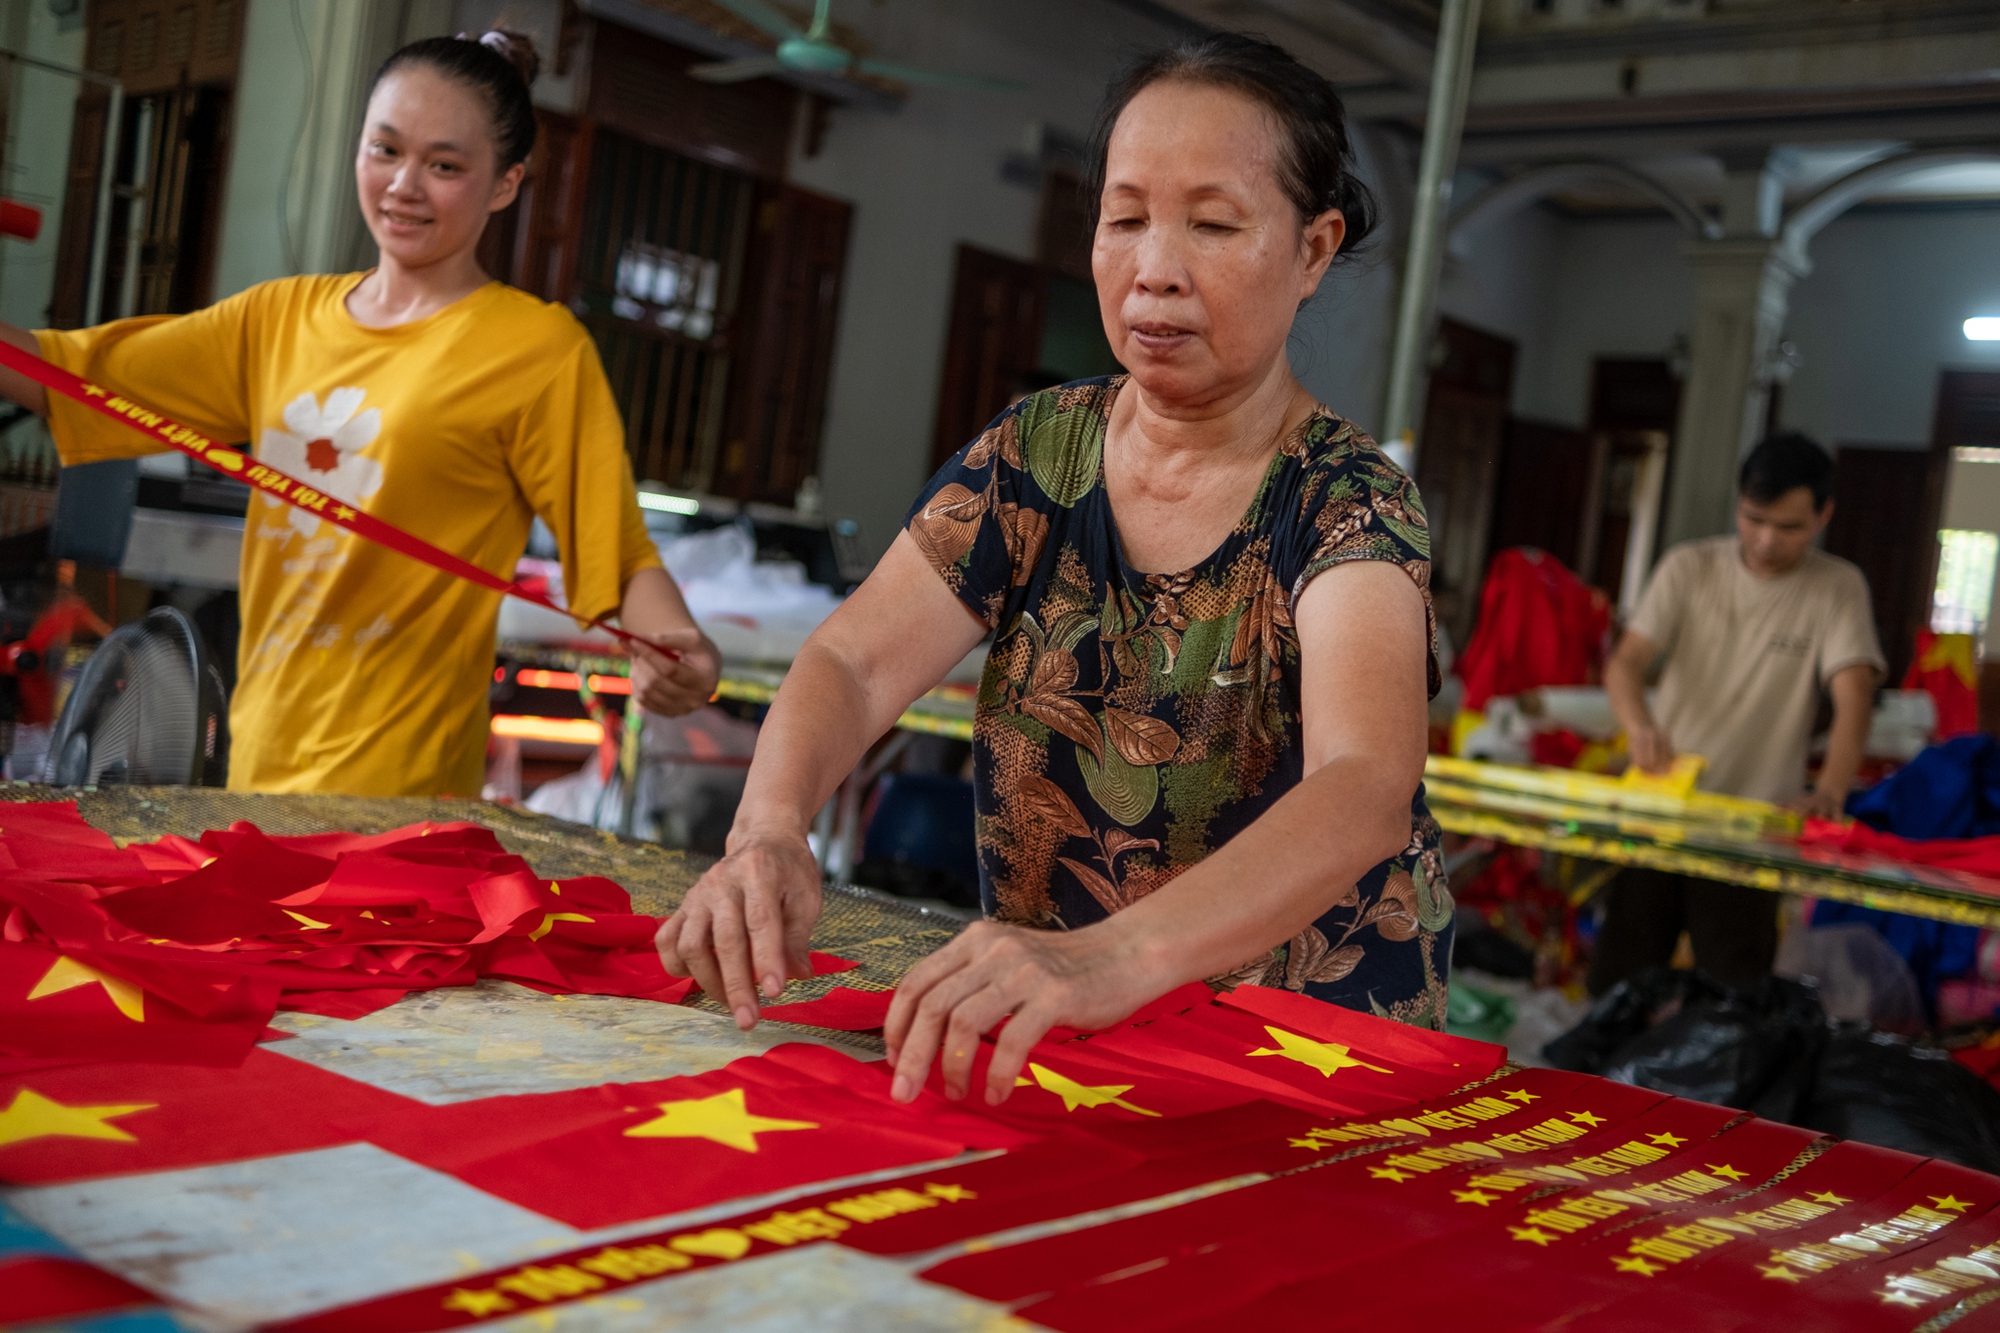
(242, 467)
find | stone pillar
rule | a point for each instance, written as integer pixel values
(1743, 283)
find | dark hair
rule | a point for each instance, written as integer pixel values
(1784, 462)
(1315, 161)
(500, 65)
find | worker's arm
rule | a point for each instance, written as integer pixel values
(654, 610)
(1853, 690)
(746, 923)
(1625, 681)
(1362, 646)
(16, 387)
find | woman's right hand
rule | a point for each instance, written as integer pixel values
(746, 923)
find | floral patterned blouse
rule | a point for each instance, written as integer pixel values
(1129, 724)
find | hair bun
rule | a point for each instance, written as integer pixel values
(517, 49)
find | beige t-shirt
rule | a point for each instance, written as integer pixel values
(1747, 657)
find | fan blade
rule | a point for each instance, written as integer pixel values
(760, 15)
(736, 71)
(936, 77)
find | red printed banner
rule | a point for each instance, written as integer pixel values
(602, 1156)
(240, 467)
(844, 1009)
(119, 1119)
(72, 1006)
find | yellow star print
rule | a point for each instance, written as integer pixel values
(1829, 1197)
(1388, 1173)
(1325, 1056)
(1902, 1298)
(1950, 1203)
(1076, 1094)
(1667, 1140)
(1586, 1118)
(477, 1303)
(33, 1116)
(1780, 1273)
(1517, 1095)
(1635, 1264)
(1313, 1144)
(1535, 1235)
(549, 920)
(1480, 1197)
(68, 974)
(722, 1119)
(950, 1193)
(1726, 1171)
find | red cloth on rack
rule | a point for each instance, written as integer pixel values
(1538, 625)
(1975, 856)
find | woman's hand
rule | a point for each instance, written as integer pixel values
(746, 923)
(668, 687)
(1086, 978)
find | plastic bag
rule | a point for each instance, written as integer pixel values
(1859, 977)
(1686, 1034)
(1880, 1089)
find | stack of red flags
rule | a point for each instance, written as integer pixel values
(180, 951)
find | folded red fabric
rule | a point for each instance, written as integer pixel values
(1975, 856)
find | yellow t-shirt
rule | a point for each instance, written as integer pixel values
(361, 670)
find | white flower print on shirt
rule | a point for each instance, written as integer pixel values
(322, 446)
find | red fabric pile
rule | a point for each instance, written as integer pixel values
(180, 951)
(1944, 668)
(1538, 625)
(1974, 856)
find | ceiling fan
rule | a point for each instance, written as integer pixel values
(813, 52)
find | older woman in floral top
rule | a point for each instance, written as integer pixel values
(1200, 733)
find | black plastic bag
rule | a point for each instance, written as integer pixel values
(1686, 1034)
(1879, 1089)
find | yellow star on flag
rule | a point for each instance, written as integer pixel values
(1635, 1264)
(1325, 1056)
(33, 1116)
(1480, 1197)
(1517, 1095)
(1950, 1203)
(68, 974)
(1903, 1298)
(722, 1119)
(305, 920)
(477, 1303)
(950, 1193)
(1314, 1144)
(1388, 1173)
(1667, 1140)
(1726, 1171)
(1780, 1273)
(549, 920)
(1829, 1197)
(1586, 1118)
(1534, 1235)
(1076, 1094)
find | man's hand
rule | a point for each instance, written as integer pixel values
(1820, 803)
(668, 687)
(1652, 749)
(746, 923)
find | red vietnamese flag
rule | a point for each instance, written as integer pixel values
(49, 838)
(121, 1118)
(844, 1009)
(1283, 1063)
(848, 1089)
(71, 1006)
(1460, 1058)
(602, 1156)
(1075, 1084)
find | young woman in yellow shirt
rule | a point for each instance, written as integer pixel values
(440, 400)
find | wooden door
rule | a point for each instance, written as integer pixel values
(532, 243)
(784, 341)
(1885, 517)
(1458, 461)
(1547, 480)
(995, 335)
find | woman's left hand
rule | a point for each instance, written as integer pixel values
(1085, 978)
(668, 687)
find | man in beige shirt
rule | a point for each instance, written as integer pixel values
(1745, 632)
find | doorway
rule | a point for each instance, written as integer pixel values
(1458, 463)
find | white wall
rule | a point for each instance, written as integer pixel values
(1506, 281)
(922, 180)
(39, 116)
(1882, 312)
